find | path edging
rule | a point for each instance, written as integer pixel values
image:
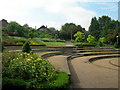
(101, 57)
(46, 55)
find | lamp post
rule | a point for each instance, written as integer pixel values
(71, 35)
(117, 39)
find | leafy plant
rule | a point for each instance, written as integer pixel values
(7, 57)
(91, 39)
(30, 71)
(26, 47)
(100, 44)
(61, 81)
(13, 83)
(79, 36)
(116, 45)
(102, 39)
(30, 67)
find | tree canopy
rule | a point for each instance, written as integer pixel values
(79, 36)
(91, 39)
(105, 27)
(69, 29)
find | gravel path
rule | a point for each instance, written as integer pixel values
(87, 75)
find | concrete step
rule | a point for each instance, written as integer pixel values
(78, 51)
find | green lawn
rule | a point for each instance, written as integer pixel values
(12, 40)
(50, 44)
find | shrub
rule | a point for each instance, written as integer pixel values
(85, 44)
(73, 41)
(91, 39)
(100, 44)
(28, 70)
(7, 56)
(79, 36)
(13, 83)
(26, 47)
(58, 40)
(33, 43)
(61, 81)
(2, 48)
(116, 45)
(30, 67)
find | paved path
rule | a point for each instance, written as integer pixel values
(68, 43)
(87, 75)
(105, 63)
(60, 63)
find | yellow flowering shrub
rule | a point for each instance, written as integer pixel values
(33, 43)
(30, 67)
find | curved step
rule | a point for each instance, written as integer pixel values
(104, 56)
(81, 51)
(86, 75)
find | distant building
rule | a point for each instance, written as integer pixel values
(13, 34)
(3, 23)
(42, 29)
(49, 31)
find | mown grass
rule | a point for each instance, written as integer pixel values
(52, 44)
(12, 40)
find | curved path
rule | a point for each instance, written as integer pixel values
(87, 75)
(60, 63)
(68, 43)
(107, 63)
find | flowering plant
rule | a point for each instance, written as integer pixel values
(30, 67)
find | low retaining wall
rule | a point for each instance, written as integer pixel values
(102, 57)
(46, 55)
(43, 48)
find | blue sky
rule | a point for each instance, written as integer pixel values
(55, 13)
(102, 8)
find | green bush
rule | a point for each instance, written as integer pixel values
(58, 40)
(30, 67)
(73, 41)
(26, 47)
(27, 70)
(100, 44)
(116, 45)
(13, 83)
(7, 56)
(61, 81)
(84, 44)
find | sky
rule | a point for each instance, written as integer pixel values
(54, 13)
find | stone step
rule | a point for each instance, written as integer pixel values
(78, 51)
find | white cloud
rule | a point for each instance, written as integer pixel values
(98, 0)
(79, 16)
(69, 11)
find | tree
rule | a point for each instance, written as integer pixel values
(26, 47)
(14, 27)
(69, 29)
(102, 40)
(94, 28)
(56, 37)
(79, 36)
(104, 25)
(91, 39)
